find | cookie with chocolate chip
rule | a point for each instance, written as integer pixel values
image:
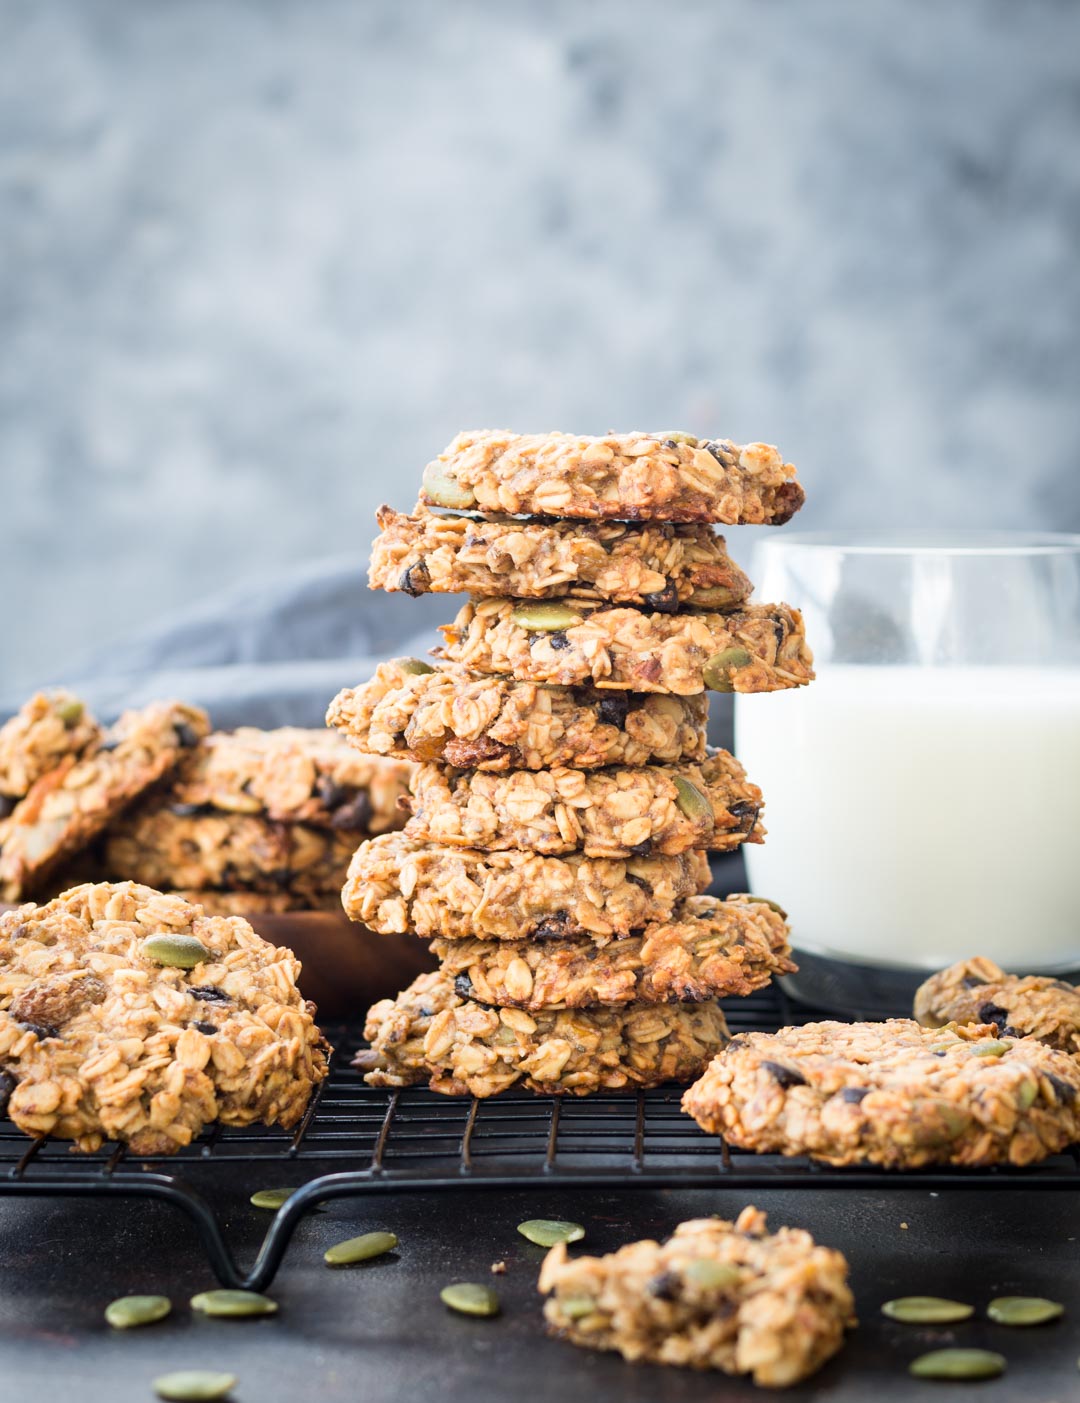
(978, 991)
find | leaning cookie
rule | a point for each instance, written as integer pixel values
(623, 477)
(129, 1015)
(758, 649)
(253, 904)
(1030, 1005)
(716, 1295)
(428, 1034)
(395, 886)
(710, 949)
(48, 729)
(655, 564)
(894, 1094)
(447, 714)
(71, 804)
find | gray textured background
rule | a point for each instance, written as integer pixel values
(259, 261)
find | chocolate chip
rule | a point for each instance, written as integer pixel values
(415, 580)
(612, 710)
(7, 1086)
(664, 1286)
(642, 849)
(716, 448)
(187, 810)
(551, 927)
(7, 805)
(1063, 1090)
(354, 815)
(43, 1030)
(1010, 1032)
(854, 1094)
(639, 882)
(202, 1027)
(993, 1013)
(664, 601)
(463, 986)
(784, 1076)
(748, 812)
(186, 736)
(558, 639)
(332, 794)
(210, 994)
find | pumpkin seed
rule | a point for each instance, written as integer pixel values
(445, 491)
(122, 1314)
(1023, 1310)
(712, 1276)
(716, 673)
(690, 799)
(990, 1048)
(470, 1299)
(958, 1364)
(360, 1249)
(180, 951)
(1026, 1094)
(270, 1198)
(194, 1386)
(415, 667)
(545, 618)
(576, 1307)
(546, 1232)
(70, 711)
(676, 437)
(715, 597)
(764, 901)
(233, 1303)
(926, 1310)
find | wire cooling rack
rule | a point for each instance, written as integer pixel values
(357, 1140)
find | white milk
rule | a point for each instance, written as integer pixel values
(922, 815)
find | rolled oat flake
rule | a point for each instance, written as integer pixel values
(194, 1386)
(926, 1310)
(233, 1303)
(1023, 1310)
(546, 1232)
(128, 1311)
(958, 1364)
(468, 1298)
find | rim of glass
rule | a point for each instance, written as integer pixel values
(928, 542)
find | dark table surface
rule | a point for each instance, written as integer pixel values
(379, 1332)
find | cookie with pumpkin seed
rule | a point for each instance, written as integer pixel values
(894, 1094)
(46, 730)
(978, 991)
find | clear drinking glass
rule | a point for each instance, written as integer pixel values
(923, 794)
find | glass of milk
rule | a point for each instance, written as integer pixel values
(923, 794)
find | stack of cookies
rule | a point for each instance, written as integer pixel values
(565, 798)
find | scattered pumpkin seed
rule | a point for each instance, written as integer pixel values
(764, 901)
(470, 1299)
(70, 711)
(546, 1232)
(716, 673)
(445, 491)
(194, 1386)
(360, 1249)
(576, 1307)
(270, 1198)
(180, 951)
(414, 666)
(926, 1310)
(712, 1276)
(122, 1314)
(233, 1303)
(1023, 1310)
(958, 1364)
(545, 618)
(690, 799)
(991, 1048)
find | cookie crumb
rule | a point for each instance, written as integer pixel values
(498, 1268)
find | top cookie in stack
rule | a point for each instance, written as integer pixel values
(565, 797)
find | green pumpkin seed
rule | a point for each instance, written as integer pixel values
(360, 1249)
(545, 618)
(442, 490)
(1026, 1094)
(715, 597)
(470, 1299)
(194, 1386)
(122, 1314)
(764, 901)
(990, 1048)
(676, 437)
(926, 1310)
(546, 1232)
(233, 1303)
(716, 673)
(712, 1276)
(415, 667)
(691, 801)
(270, 1198)
(70, 711)
(576, 1307)
(180, 951)
(1023, 1310)
(958, 1364)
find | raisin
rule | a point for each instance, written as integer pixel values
(209, 994)
(993, 1013)
(784, 1076)
(463, 986)
(613, 709)
(355, 815)
(854, 1094)
(415, 580)
(186, 736)
(203, 1027)
(664, 601)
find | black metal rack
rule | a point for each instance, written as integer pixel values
(356, 1140)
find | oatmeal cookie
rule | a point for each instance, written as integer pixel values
(101, 1040)
(253, 904)
(294, 776)
(716, 1295)
(894, 1094)
(1030, 1005)
(73, 802)
(710, 949)
(759, 649)
(50, 727)
(656, 564)
(628, 477)
(464, 1049)
(162, 848)
(447, 714)
(602, 813)
(395, 886)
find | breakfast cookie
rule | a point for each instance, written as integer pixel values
(894, 1094)
(428, 1034)
(628, 477)
(447, 714)
(395, 886)
(46, 730)
(253, 904)
(109, 1031)
(655, 564)
(293, 776)
(710, 949)
(73, 802)
(716, 1295)
(758, 649)
(1030, 1005)
(620, 812)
